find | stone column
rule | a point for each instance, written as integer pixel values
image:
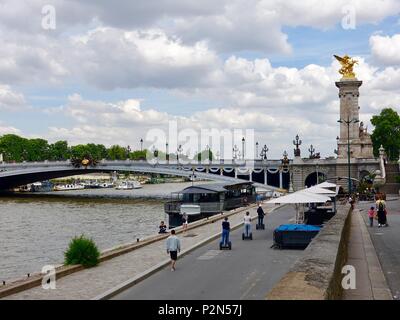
(349, 109)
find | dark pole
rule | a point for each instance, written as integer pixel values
(141, 144)
(348, 153)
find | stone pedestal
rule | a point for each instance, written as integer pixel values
(360, 140)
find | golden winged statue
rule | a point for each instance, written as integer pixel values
(347, 66)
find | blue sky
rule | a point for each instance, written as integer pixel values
(214, 66)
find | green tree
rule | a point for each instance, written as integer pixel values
(138, 155)
(117, 152)
(37, 150)
(59, 151)
(204, 155)
(387, 133)
(14, 148)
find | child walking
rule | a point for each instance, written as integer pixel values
(371, 216)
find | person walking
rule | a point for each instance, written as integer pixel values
(381, 209)
(225, 232)
(184, 221)
(371, 216)
(173, 247)
(247, 224)
(261, 215)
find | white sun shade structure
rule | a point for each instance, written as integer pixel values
(298, 198)
(326, 185)
(319, 190)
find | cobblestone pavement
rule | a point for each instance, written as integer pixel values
(92, 282)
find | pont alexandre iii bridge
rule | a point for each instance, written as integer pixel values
(271, 174)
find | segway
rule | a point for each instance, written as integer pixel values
(260, 226)
(250, 236)
(223, 246)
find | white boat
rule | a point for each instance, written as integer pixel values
(106, 185)
(68, 187)
(129, 185)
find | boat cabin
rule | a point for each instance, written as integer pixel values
(212, 198)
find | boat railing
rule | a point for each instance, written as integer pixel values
(205, 207)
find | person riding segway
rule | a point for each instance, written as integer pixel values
(225, 242)
(247, 227)
(261, 214)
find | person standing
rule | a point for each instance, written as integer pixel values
(371, 216)
(184, 221)
(381, 209)
(225, 231)
(261, 215)
(173, 247)
(247, 224)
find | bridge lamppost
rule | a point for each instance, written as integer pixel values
(166, 152)
(297, 142)
(178, 151)
(311, 150)
(128, 151)
(243, 141)
(256, 150)
(348, 122)
(141, 144)
(235, 150)
(264, 151)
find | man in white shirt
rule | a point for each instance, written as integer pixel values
(247, 224)
(173, 247)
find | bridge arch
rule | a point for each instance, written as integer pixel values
(311, 179)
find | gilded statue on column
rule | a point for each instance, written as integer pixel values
(347, 66)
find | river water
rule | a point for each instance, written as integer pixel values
(35, 229)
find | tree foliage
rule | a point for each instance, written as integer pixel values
(17, 149)
(387, 133)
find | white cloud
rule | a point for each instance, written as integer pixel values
(11, 100)
(386, 49)
(4, 129)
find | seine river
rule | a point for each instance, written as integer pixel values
(35, 229)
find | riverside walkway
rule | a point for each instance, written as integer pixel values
(95, 282)
(248, 271)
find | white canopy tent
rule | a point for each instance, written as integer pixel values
(300, 198)
(319, 190)
(326, 185)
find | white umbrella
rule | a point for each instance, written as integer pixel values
(318, 190)
(326, 185)
(300, 197)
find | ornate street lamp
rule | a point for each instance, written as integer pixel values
(264, 151)
(348, 122)
(166, 151)
(297, 142)
(256, 150)
(243, 141)
(141, 144)
(235, 151)
(178, 151)
(312, 151)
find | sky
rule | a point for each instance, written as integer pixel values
(115, 72)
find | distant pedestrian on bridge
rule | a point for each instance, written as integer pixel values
(173, 247)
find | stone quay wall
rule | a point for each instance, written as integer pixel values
(317, 275)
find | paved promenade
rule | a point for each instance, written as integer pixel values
(90, 283)
(386, 242)
(246, 272)
(370, 280)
